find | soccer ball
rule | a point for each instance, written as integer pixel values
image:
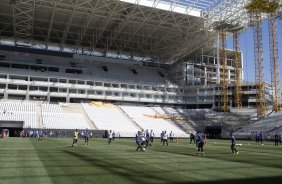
(143, 149)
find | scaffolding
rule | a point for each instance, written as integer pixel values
(224, 74)
(259, 66)
(238, 67)
(257, 8)
(23, 18)
(274, 61)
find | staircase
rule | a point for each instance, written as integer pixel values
(129, 118)
(184, 125)
(86, 117)
(39, 115)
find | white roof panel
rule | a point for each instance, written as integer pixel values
(189, 7)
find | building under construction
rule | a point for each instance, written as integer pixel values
(184, 40)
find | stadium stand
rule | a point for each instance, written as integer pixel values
(16, 111)
(182, 120)
(109, 117)
(53, 118)
(51, 108)
(56, 78)
(16, 106)
(270, 124)
(64, 121)
(145, 118)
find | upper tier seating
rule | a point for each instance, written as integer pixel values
(102, 69)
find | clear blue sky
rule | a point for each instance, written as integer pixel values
(247, 47)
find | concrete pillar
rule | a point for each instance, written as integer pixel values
(218, 62)
(206, 76)
(5, 95)
(48, 97)
(68, 99)
(228, 76)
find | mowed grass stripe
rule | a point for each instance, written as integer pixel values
(115, 151)
(19, 163)
(120, 163)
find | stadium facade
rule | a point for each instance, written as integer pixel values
(78, 78)
(175, 39)
(142, 52)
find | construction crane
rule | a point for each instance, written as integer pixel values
(256, 8)
(223, 28)
(223, 74)
(238, 67)
(274, 57)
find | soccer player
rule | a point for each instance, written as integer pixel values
(140, 141)
(257, 138)
(37, 134)
(171, 136)
(75, 137)
(161, 136)
(86, 137)
(164, 138)
(276, 139)
(233, 144)
(192, 138)
(40, 135)
(147, 137)
(200, 141)
(152, 135)
(114, 136)
(261, 138)
(110, 136)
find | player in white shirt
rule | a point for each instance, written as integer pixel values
(152, 136)
(164, 138)
(110, 137)
(171, 136)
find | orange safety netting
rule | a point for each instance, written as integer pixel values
(101, 104)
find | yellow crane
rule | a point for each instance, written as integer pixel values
(238, 67)
(256, 8)
(223, 71)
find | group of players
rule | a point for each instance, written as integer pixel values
(145, 139)
(86, 135)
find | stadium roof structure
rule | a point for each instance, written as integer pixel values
(156, 30)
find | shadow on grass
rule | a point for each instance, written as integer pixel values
(264, 180)
(115, 169)
(131, 174)
(256, 160)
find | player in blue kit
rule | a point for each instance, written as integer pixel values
(233, 144)
(86, 137)
(201, 141)
(140, 141)
(257, 138)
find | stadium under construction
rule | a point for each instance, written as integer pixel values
(170, 55)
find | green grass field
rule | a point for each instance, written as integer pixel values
(55, 161)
